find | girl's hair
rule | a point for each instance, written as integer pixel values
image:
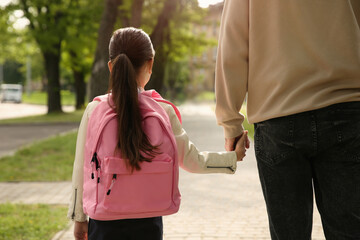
(129, 50)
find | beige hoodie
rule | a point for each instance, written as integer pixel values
(288, 56)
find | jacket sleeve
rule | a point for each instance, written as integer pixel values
(75, 211)
(191, 159)
(231, 72)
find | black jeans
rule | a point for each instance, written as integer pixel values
(317, 150)
(126, 229)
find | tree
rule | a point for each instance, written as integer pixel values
(169, 25)
(136, 13)
(79, 44)
(17, 46)
(48, 22)
(175, 42)
(131, 13)
(100, 73)
(159, 36)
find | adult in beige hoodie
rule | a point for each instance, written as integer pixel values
(298, 63)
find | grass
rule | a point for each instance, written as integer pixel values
(47, 118)
(205, 96)
(48, 160)
(67, 98)
(31, 222)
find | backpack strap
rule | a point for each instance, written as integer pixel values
(101, 98)
(157, 97)
(104, 113)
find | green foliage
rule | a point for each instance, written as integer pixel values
(184, 41)
(48, 160)
(12, 72)
(48, 21)
(151, 11)
(74, 24)
(16, 45)
(31, 222)
(80, 42)
(177, 76)
(205, 96)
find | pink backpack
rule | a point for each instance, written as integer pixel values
(111, 191)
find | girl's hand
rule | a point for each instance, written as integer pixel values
(81, 230)
(241, 145)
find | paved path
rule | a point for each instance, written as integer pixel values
(214, 206)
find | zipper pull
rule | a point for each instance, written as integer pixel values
(92, 162)
(112, 184)
(98, 174)
(97, 166)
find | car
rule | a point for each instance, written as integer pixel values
(11, 93)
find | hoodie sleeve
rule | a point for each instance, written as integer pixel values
(75, 211)
(193, 160)
(231, 74)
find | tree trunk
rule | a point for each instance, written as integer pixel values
(136, 13)
(100, 74)
(80, 88)
(159, 36)
(52, 65)
(158, 72)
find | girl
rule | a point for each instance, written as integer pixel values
(131, 52)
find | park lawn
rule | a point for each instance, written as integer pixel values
(31, 222)
(47, 118)
(48, 160)
(37, 97)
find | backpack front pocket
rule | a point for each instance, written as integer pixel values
(146, 190)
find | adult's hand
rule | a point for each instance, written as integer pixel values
(81, 230)
(240, 147)
(230, 143)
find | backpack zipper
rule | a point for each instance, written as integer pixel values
(94, 160)
(97, 166)
(112, 184)
(73, 214)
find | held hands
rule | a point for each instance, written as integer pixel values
(81, 230)
(238, 144)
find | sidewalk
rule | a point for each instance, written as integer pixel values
(232, 208)
(214, 206)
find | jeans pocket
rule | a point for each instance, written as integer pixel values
(273, 140)
(348, 140)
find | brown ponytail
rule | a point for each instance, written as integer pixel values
(129, 50)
